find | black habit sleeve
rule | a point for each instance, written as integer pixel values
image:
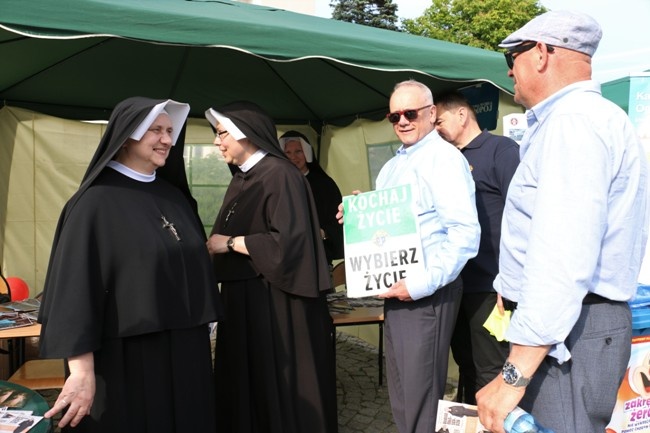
(272, 206)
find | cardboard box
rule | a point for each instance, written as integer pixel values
(632, 411)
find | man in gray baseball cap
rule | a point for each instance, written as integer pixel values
(573, 235)
(564, 29)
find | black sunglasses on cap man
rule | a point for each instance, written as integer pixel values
(522, 48)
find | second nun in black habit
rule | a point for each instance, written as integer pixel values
(274, 362)
(130, 291)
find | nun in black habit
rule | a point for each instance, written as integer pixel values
(327, 194)
(274, 360)
(130, 292)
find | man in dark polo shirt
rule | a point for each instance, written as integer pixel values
(493, 160)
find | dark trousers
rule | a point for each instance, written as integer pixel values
(579, 395)
(477, 353)
(417, 355)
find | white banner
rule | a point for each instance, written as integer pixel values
(382, 240)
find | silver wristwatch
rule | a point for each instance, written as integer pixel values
(512, 375)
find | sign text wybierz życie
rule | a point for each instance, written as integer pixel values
(382, 240)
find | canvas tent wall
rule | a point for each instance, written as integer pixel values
(75, 59)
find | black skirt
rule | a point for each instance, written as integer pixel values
(274, 363)
(160, 382)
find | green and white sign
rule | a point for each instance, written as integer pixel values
(382, 240)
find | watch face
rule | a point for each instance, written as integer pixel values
(510, 373)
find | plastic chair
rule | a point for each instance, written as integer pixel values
(40, 374)
(338, 275)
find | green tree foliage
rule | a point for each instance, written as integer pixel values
(477, 23)
(373, 13)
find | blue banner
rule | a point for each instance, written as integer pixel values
(485, 100)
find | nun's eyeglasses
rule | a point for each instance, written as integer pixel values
(220, 134)
(410, 114)
(522, 48)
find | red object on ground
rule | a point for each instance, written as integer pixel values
(18, 287)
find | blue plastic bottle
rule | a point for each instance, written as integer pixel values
(520, 421)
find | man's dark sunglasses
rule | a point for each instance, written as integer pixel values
(410, 114)
(522, 48)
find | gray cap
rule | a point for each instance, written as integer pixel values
(565, 29)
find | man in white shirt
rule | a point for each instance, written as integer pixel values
(420, 310)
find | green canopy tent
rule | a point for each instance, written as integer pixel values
(78, 58)
(618, 91)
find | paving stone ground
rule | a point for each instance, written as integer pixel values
(363, 405)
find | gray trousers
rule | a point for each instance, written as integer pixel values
(418, 335)
(579, 395)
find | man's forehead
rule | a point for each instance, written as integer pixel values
(406, 97)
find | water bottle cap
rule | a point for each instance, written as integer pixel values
(512, 417)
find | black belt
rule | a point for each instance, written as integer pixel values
(590, 299)
(593, 298)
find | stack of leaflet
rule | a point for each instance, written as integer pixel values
(19, 313)
(14, 413)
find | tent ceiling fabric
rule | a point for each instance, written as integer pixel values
(78, 58)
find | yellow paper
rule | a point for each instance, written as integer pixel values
(497, 323)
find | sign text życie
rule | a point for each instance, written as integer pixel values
(382, 240)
